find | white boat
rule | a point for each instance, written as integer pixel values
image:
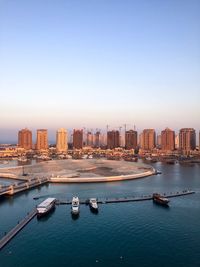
(75, 205)
(22, 159)
(93, 204)
(47, 205)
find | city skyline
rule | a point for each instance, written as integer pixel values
(91, 137)
(97, 63)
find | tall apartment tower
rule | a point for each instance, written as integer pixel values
(89, 140)
(187, 139)
(177, 141)
(113, 139)
(25, 139)
(61, 141)
(130, 139)
(199, 141)
(167, 140)
(97, 139)
(149, 139)
(42, 139)
(78, 139)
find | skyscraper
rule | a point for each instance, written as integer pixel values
(61, 141)
(42, 139)
(131, 139)
(25, 139)
(97, 139)
(78, 139)
(167, 140)
(148, 139)
(89, 140)
(177, 141)
(187, 139)
(113, 139)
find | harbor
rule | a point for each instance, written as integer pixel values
(49, 203)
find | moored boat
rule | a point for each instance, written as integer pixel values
(75, 206)
(157, 198)
(93, 204)
(46, 206)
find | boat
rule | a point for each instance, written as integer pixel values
(93, 204)
(157, 198)
(46, 206)
(75, 205)
(22, 159)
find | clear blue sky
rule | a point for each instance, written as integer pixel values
(96, 62)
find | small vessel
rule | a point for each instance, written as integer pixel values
(75, 205)
(46, 206)
(157, 198)
(93, 204)
(22, 159)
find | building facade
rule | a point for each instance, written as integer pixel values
(148, 139)
(130, 139)
(97, 139)
(42, 139)
(78, 139)
(168, 140)
(113, 139)
(61, 141)
(89, 140)
(187, 139)
(25, 139)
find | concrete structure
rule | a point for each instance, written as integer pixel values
(78, 139)
(177, 141)
(167, 140)
(113, 139)
(130, 139)
(148, 139)
(61, 141)
(25, 139)
(97, 139)
(158, 144)
(42, 139)
(187, 139)
(90, 139)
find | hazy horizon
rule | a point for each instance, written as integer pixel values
(76, 64)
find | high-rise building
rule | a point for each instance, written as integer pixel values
(97, 139)
(131, 139)
(89, 140)
(167, 140)
(187, 139)
(149, 139)
(61, 141)
(78, 139)
(42, 139)
(199, 141)
(158, 141)
(177, 141)
(25, 139)
(113, 139)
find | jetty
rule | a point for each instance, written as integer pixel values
(22, 186)
(17, 228)
(128, 199)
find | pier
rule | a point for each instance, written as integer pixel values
(128, 199)
(17, 228)
(22, 186)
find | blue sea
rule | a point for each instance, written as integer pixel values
(121, 234)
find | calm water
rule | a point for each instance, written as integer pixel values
(126, 234)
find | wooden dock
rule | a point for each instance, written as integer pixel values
(128, 199)
(17, 228)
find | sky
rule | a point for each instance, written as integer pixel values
(89, 63)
